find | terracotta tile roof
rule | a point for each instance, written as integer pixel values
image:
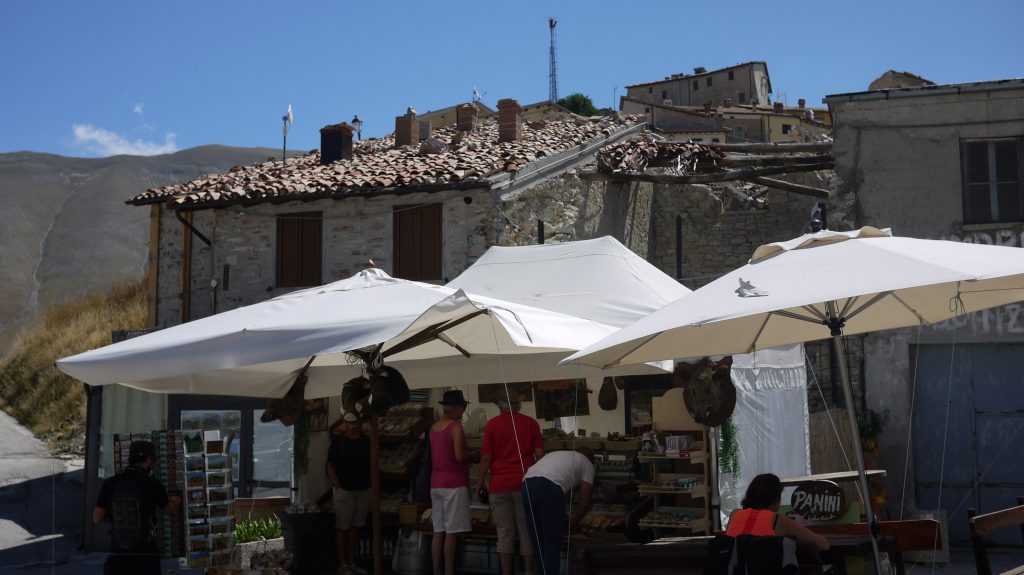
(466, 160)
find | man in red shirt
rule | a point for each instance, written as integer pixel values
(512, 443)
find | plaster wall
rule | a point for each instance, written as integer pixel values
(898, 165)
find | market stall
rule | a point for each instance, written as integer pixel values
(301, 345)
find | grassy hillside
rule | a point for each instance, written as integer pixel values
(38, 395)
(66, 230)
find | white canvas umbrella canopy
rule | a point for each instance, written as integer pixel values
(257, 350)
(599, 279)
(818, 286)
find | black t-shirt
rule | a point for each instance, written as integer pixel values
(151, 496)
(350, 459)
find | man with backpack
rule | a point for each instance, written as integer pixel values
(128, 501)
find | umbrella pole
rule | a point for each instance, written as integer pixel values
(869, 513)
(378, 561)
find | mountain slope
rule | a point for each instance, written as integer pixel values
(66, 230)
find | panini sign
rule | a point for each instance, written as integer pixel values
(819, 501)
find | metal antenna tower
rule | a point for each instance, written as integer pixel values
(553, 71)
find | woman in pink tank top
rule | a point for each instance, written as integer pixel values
(449, 481)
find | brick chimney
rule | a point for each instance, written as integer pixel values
(335, 143)
(779, 107)
(426, 129)
(466, 116)
(510, 120)
(802, 103)
(407, 129)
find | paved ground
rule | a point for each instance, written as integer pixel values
(41, 513)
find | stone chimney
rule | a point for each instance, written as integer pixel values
(510, 120)
(802, 103)
(779, 107)
(466, 116)
(335, 143)
(407, 129)
(426, 129)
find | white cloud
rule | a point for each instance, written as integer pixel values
(138, 108)
(107, 143)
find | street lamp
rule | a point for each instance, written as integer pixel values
(358, 125)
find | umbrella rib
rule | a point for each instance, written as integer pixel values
(430, 333)
(760, 330)
(869, 303)
(791, 315)
(921, 319)
(444, 337)
(814, 311)
(850, 301)
(640, 344)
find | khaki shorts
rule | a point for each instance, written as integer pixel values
(350, 508)
(509, 519)
(450, 509)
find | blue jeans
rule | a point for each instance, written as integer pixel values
(544, 507)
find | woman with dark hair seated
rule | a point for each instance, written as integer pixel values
(760, 515)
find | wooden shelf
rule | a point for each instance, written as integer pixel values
(698, 491)
(694, 527)
(691, 456)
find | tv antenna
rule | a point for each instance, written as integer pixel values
(477, 96)
(553, 66)
(288, 118)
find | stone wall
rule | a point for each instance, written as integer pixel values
(721, 228)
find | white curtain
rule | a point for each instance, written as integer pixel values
(771, 420)
(127, 410)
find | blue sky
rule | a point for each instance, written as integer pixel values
(105, 77)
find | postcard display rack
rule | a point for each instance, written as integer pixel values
(168, 469)
(679, 487)
(208, 499)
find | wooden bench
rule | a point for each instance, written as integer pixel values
(982, 525)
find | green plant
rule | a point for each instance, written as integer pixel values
(250, 530)
(300, 456)
(729, 449)
(869, 424)
(579, 104)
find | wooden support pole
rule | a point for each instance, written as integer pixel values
(791, 187)
(744, 160)
(731, 175)
(757, 147)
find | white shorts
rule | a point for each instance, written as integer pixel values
(450, 509)
(350, 508)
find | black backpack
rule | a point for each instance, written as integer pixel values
(128, 529)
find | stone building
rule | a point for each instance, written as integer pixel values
(747, 83)
(421, 207)
(893, 80)
(941, 162)
(777, 124)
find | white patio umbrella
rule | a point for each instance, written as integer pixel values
(434, 335)
(818, 286)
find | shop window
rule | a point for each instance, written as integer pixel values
(715, 140)
(417, 243)
(261, 453)
(991, 172)
(299, 249)
(787, 129)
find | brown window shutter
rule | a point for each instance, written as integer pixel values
(299, 249)
(417, 242)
